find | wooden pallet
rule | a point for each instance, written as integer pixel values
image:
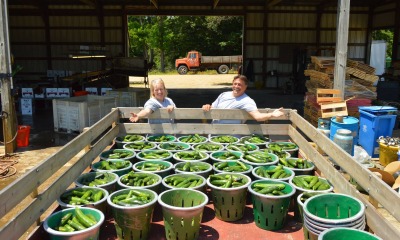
(330, 104)
(334, 109)
(328, 95)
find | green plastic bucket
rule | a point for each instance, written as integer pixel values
(132, 222)
(182, 212)
(300, 204)
(303, 171)
(346, 233)
(123, 182)
(140, 155)
(201, 187)
(163, 172)
(95, 167)
(160, 138)
(119, 141)
(87, 179)
(100, 205)
(230, 164)
(178, 167)
(54, 220)
(202, 156)
(174, 146)
(107, 155)
(300, 190)
(216, 156)
(332, 210)
(270, 211)
(229, 203)
(288, 171)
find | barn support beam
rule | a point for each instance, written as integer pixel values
(342, 33)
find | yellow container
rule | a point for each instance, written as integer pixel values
(387, 154)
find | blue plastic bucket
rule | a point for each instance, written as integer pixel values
(349, 123)
(375, 121)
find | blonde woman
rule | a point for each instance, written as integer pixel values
(158, 99)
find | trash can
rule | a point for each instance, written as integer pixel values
(375, 121)
(23, 135)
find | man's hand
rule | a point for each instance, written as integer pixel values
(134, 117)
(206, 107)
(277, 112)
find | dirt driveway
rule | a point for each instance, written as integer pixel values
(191, 81)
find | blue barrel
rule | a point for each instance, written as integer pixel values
(349, 123)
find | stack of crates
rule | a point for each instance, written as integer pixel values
(75, 113)
(129, 97)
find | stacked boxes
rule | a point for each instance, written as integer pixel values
(75, 113)
(129, 97)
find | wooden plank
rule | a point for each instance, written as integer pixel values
(329, 99)
(328, 91)
(342, 35)
(14, 193)
(378, 189)
(192, 128)
(378, 223)
(198, 113)
(20, 223)
(334, 114)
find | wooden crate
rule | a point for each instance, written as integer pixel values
(98, 137)
(76, 113)
(330, 104)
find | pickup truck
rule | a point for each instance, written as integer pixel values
(196, 62)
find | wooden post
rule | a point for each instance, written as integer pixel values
(7, 102)
(342, 32)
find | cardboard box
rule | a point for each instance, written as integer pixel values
(63, 92)
(51, 92)
(92, 90)
(27, 93)
(104, 91)
(26, 106)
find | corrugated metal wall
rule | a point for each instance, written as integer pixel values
(272, 42)
(270, 37)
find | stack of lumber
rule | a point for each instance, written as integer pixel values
(360, 95)
(324, 64)
(362, 73)
(320, 72)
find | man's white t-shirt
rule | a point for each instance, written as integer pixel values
(226, 100)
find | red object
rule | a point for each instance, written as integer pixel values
(23, 135)
(80, 93)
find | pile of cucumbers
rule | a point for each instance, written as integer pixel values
(75, 221)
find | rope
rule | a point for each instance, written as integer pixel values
(7, 169)
(4, 115)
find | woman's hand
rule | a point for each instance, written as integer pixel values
(134, 117)
(170, 108)
(206, 107)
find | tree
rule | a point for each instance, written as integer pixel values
(171, 37)
(387, 35)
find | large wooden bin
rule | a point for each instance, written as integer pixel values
(382, 218)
